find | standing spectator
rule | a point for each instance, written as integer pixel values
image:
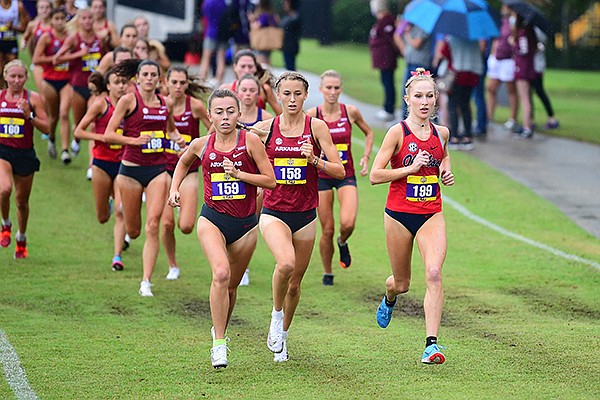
(539, 65)
(292, 32)
(213, 11)
(524, 44)
(479, 93)
(501, 69)
(384, 54)
(417, 52)
(464, 57)
(264, 16)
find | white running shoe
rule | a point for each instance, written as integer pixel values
(385, 116)
(510, 124)
(218, 356)
(146, 289)
(65, 157)
(245, 278)
(51, 149)
(283, 355)
(75, 147)
(275, 337)
(88, 174)
(173, 274)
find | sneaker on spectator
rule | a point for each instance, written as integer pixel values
(510, 124)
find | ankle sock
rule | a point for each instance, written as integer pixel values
(20, 237)
(277, 314)
(388, 303)
(218, 342)
(429, 340)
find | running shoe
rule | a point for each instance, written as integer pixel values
(345, 259)
(117, 264)
(384, 313)
(552, 124)
(146, 289)
(51, 149)
(65, 157)
(454, 144)
(88, 174)
(385, 116)
(245, 278)
(466, 144)
(218, 356)
(173, 274)
(433, 355)
(21, 249)
(75, 148)
(328, 280)
(5, 235)
(282, 356)
(275, 337)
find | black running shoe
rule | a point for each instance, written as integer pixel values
(345, 259)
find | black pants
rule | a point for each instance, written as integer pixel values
(538, 85)
(460, 99)
(389, 89)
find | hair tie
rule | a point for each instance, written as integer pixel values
(418, 73)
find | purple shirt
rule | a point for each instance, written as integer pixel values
(212, 11)
(504, 50)
(381, 43)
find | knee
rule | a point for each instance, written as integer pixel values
(221, 275)
(152, 227)
(433, 275)
(134, 233)
(103, 218)
(6, 190)
(22, 205)
(327, 232)
(168, 226)
(285, 268)
(347, 228)
(186, 229)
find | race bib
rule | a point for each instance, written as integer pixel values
(62, 67)
(90, 62)
(7, 34)
(421, 188)
(342, 149)
(13, 128)
(173, 147)
(226, 187)
(117, 146)
(156, 143)
(290, 171)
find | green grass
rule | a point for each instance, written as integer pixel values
(518, 322)
(575, 95)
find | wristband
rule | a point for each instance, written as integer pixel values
(315, 162)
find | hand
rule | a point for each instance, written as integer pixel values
(447, 178)
(307, 150)
(420, 160)
(229, 168)
(174, 198)
(142, 140)
(364, 163)
(23, 104)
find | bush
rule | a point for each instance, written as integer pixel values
(352, 21)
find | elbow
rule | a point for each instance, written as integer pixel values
(373, 179)
(271, 183)
(77, 134)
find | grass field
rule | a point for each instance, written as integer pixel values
(519, 322)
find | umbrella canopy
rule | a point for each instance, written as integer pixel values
(531, 15)
(467, 19)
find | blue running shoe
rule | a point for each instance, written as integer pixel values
(384, 313)
(433, 355)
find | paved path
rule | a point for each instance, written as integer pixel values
(565, 172)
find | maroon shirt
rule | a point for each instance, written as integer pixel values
(381, 43)
(341, 136)
(15, 128)
(223, 193)
(189, 128)
(81, 68)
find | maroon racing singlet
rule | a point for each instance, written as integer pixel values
(16, 130)
(341, 136)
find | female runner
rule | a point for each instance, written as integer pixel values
(234, 163)
(57, 91)
(106, 158)
(244, 63)
(83, 49)
(20, 112)
(418, 153)
(288, 218)
(339, 119)
(35, 29)
(188, 112)
(147, 117)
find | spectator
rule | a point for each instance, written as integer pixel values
(539, 65)
(417, 51)
(464, 57)
(524, 44)
(213, 11)
(384, 54)
(501, 69)
(292, 32)
(264, 16)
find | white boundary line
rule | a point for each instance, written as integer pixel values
(464, 211)
(14, 373)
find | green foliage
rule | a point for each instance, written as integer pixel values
(352, 21)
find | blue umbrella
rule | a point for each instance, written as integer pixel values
(467, 19)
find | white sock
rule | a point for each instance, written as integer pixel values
(6, 222)
(277, 314)
(20, 237)
(284, 336)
